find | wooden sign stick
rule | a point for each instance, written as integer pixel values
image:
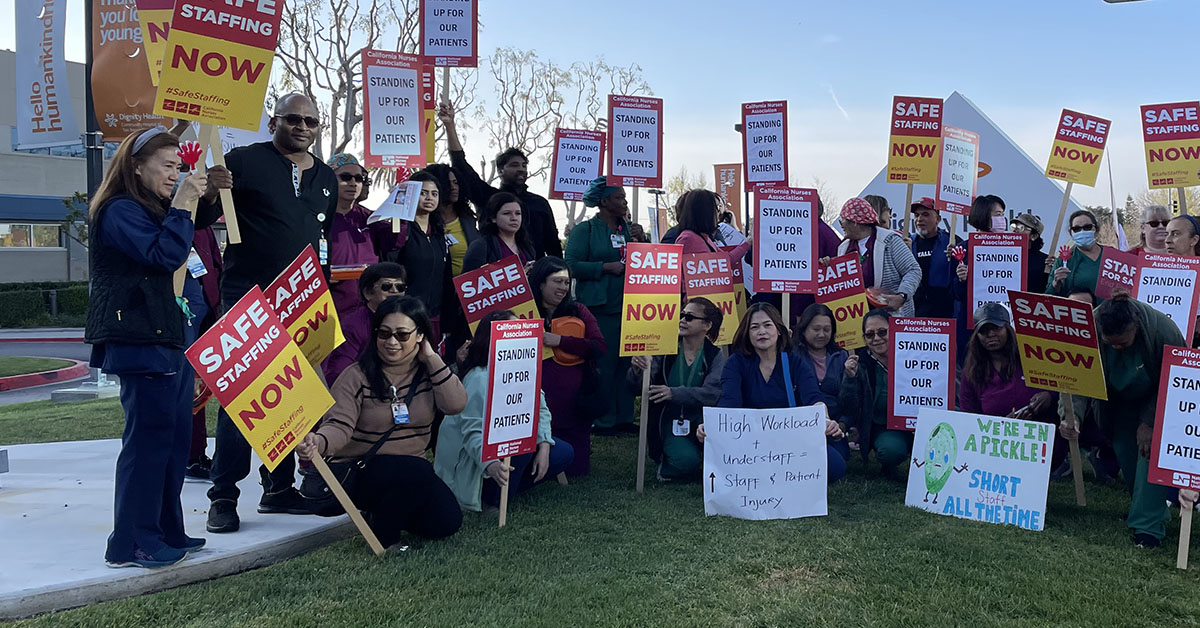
(504, 494)
(786, 302)
(1076, 460)
(641, 460)
(1185, 534)
(348, 505)
(1182, 192)
(1062, 214)
(908, 211)
(213, 139)
(445, 90)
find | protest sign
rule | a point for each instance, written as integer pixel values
(393, 110)
(154, 16)
(300, 296)
(400, 204)
(710, 275)
(736, 269)
(1118, 269)
(728, 179)
(785, 239)
(429, 108)
(635, 141)
(1077, 149)
(921, 367)
(915, 140)
(218, 61)
(498, 286)
(261, 378)
(764, 143)
(577, 159)
(1171, 135)
(45, 113)
(958, 168)
(997, 265)
(450, 32)
(121, 89)
(840, 287)
(514, 389)
(1056, 339)
(1167, 283)
(653, 285)
(766, 464)
(980, 467)
(1175, 450)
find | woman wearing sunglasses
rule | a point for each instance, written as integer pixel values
(397, 488)
(681, 385)
(1154, 230)
(350, 242)
(376, 283)
(864, 397)
(1082, 269)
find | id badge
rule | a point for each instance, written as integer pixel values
(400, 413)
(618, 240)
(323, 252)
(195, 265)
(451, 240)
(681, 427)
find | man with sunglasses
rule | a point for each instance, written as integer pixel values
(285, 199)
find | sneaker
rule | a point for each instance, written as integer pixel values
(1062, 470)
(199, 470)
(164, 557)
(190, 544)
(288, 501)
(223, 517)
(1103, 474)
(1146, 541)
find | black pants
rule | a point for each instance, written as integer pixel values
(402, 493)
(231, 463)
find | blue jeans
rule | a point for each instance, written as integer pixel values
(521, 477)
(838, 452)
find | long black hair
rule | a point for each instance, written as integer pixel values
(698, 212)
(436, 225)
(479, 354)
(538, 274)
(462, 208)
(978, 365)
(806, 318)
(369, 362)
(487, 222)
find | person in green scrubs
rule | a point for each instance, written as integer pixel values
(1082, 268)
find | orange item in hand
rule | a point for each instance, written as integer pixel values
(570, 326)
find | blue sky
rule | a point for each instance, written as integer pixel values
(839, 62)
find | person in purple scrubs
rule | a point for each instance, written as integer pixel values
(350, 243)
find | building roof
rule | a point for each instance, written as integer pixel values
(23, 207)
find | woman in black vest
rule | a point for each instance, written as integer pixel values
(138, 330)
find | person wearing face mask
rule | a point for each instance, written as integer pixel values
(420, 247)
(887, 262)
(1035, 263)
(680, 387)
(376, 283)
(350, 242)
(762, 372)
(512, 166)
(823, 361)
(987, 214)
(596, 255)
(503, 234)
(1082, 270)
(396, 488)
(935, 297)
(863, 396)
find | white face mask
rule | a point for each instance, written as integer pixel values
(999, 223)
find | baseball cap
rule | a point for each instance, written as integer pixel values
(993, 313)
(924, 202)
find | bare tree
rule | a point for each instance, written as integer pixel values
(828, 198)
(1169, 197)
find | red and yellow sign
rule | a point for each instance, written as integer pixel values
(260, 377)
(1171, 134)
(498, 286)
(218, 61)
(1056, 338)
(650, 311)
(739, 283)
(301, 298)
(154, 16)
(840, 286)
(710, 275)
(914, 145)
(1078, 147)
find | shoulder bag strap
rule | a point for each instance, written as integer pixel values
(408, 397)
(787, 379)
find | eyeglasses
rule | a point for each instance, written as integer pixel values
(295, 119)
(871, 335)
(401, 335)
(347, 177)
(1077, 229)
(688, 317)
(388, 286)
(1156, 223)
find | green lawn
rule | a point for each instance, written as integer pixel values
(12, 365)
(597, 553)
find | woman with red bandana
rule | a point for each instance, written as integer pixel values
(888, 264)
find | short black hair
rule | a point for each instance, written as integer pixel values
(1116, 315)
(378, 271)
(509, 153)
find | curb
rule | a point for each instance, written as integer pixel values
(45, 339)
(15, 382)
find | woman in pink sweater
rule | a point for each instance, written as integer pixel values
(698, 222)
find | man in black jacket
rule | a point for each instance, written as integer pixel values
(513, 167)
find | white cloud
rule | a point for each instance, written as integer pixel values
(829, 39)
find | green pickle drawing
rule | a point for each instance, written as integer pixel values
(943, 449)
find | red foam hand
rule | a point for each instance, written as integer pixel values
(1064, 252)
(189, 152)
(959, 253)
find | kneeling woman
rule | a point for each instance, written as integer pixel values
(864, 397)
(374, 400)
(460, 439)
(762, 372)
(680, 386)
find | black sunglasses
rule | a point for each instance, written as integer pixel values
(688, 317)
(1156, 223)
(295, 119)
(388, 286)
(401, 335)
(1083, 228)
(347, 177)
(871, 335)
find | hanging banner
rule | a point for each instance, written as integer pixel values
(1056, 339)
(840, 287)
(650, 311)
(154, 16)
(218, 61)
(261, 378)
(635, 141)
(1118, 269)
(765, 464)
(122, 91)
(577, 158)
(514, 389)
(1171, 135)
(957, 171)
(728, 179)
(1078, 147)
(1167, 283)
(450, 33)
(710, 275)
(300, 296)
(915, 140)
(921, 368)
(997, 265)
(45, 115)
(764, 143)
(785, 239)
(1175, 450)
(393, 115)
(498, 286)
(980, 467)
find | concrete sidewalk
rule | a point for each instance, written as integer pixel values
(56, 514)
(42, 334)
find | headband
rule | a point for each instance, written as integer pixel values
(146, 136)
(1195, 223)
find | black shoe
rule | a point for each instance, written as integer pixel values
(606, 431)
(190, 544)
(1062, 470)
(223, 517)
(1103, 474)
(1146, 541)
(629, 428)
(199, 470)
(164, 557)
(288, 501)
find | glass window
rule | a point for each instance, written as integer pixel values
(15, 235)
(26, 235)
(46, 235)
